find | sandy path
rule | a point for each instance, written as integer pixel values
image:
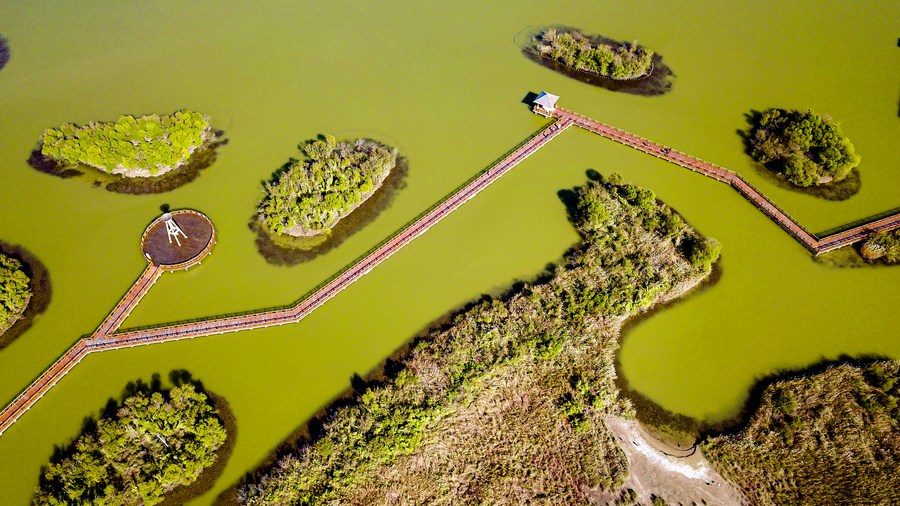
(683, 479)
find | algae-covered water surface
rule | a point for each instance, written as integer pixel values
(444, 83)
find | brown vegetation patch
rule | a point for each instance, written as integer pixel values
(822, 438)
(505, 403)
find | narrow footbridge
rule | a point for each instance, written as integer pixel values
(810, 241)
(106, 336)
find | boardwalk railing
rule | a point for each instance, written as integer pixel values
(106, 336)
(815, 244)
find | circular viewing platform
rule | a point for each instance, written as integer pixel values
(178, 239)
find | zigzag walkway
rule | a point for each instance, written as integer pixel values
(809, 240)
(73, 355)
(105, 338)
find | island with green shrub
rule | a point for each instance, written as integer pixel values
(143, 147)
(826, 438)
(507, 403)
(309, 197)
(154, 444)
(596, 55)
(15, 291)
(803, 147)
(883, 246)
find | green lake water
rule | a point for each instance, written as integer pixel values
(443, 82)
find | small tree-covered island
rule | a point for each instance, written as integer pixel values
(144, 147)
(803, 147)
(307, 198)
(594, 54)
(152, 445)
(15, 291)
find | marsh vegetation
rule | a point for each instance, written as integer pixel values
(505, 404)
(820, 437)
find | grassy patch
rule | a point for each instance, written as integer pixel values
(813, 439)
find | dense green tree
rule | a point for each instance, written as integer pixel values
(134, 147)
(572, 48)
(15, 291)
(308, 197)
(804, 147)
(153, 444)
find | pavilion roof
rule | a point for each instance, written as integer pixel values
(546, 100)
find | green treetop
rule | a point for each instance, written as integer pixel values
(15, 292)
(154, 444)
(310, 196)
(134, 147)
(576, 50)
(804, 147)
(884, 245)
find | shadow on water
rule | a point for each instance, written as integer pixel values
(384, 196)
(659, 82)
(41, 291)
(4, 52)
(835, 191)
(208, 476)
(200, 159)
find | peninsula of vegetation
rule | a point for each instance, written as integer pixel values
(15, 291)
(506, 405)
(309, 197)
(596, 55)
(816, 439)
(803, 147)
(154, 444)
(144, 147)
(884, 246)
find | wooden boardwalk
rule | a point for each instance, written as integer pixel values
(106, 337)
(127, 303)
(817, 245)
